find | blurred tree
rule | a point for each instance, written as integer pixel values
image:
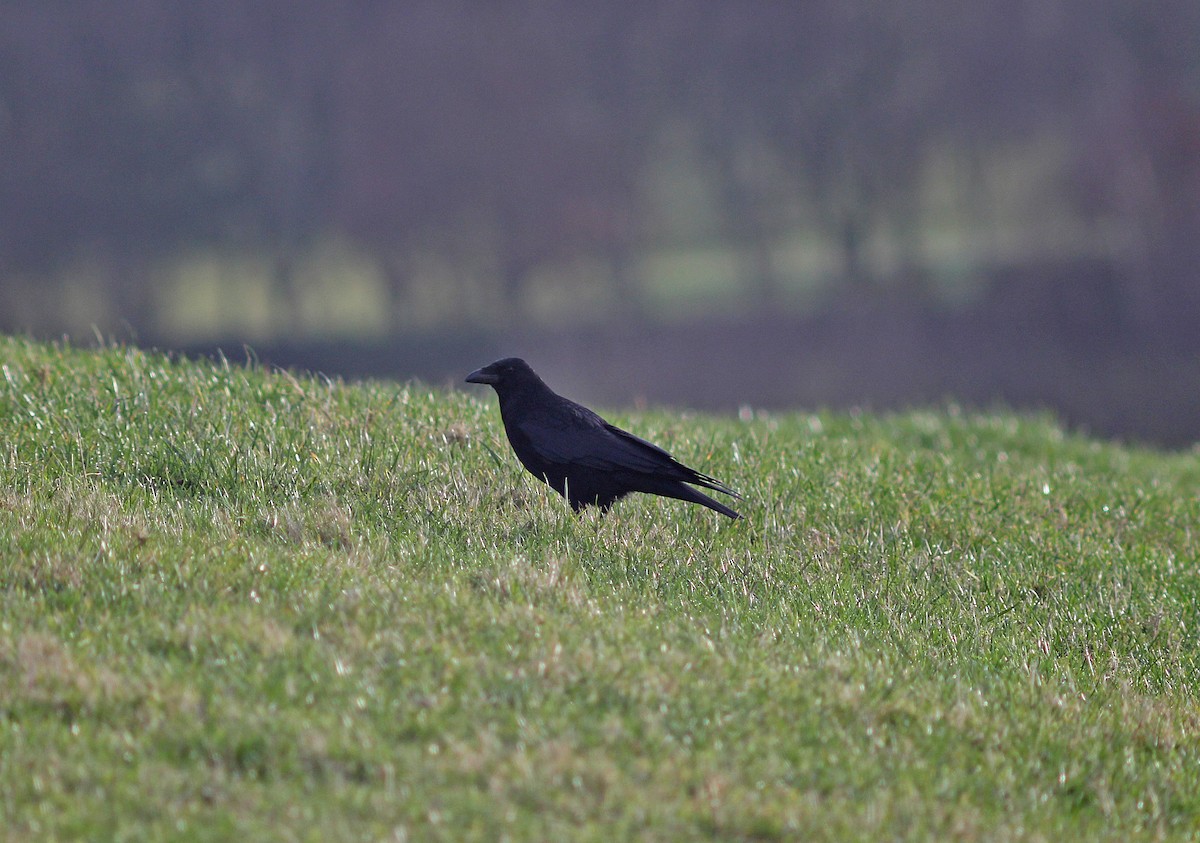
(470, 147)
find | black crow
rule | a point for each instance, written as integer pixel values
(580, 455)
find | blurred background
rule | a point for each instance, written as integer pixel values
(717, 204)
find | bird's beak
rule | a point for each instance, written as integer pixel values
(481, 376)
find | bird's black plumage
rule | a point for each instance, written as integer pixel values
(580, 455)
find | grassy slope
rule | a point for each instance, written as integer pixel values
(236, 604)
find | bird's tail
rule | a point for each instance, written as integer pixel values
(711, 483)
(684, 492)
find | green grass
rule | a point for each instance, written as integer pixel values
(238, 604)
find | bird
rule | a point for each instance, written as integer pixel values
(581, 456)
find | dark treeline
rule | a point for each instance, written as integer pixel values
(504, 136)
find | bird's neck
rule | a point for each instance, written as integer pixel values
(512, 401)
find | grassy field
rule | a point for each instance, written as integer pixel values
(237, 604)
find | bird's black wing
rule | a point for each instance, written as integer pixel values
(665, 461)
(574, 435)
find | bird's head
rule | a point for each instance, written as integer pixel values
(506, 374)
